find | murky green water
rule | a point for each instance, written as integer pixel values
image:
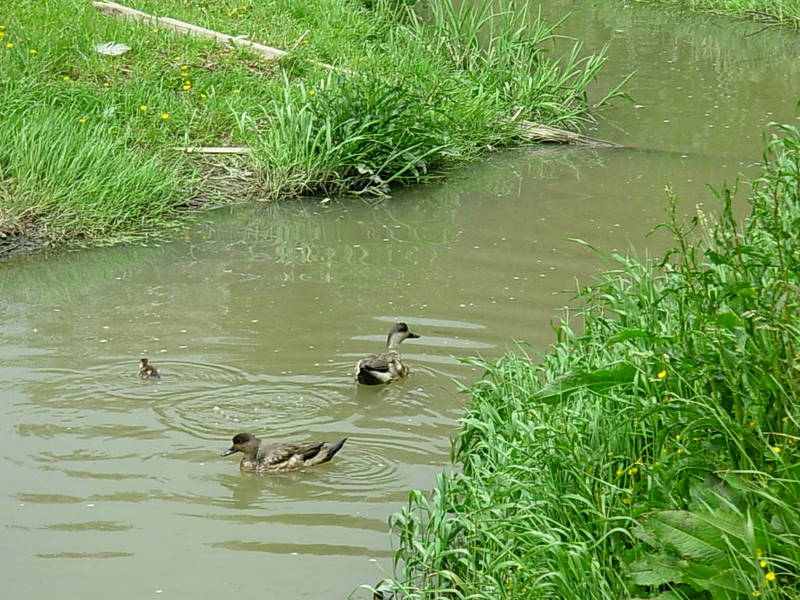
(255, 316)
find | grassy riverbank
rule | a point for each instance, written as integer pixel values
(784, 12)
(91, 142)
(654, 455)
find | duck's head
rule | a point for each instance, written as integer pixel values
(142, 363)
(398, 333)
(246, 443)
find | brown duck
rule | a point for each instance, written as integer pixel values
(147, 371)
(280, 456)
(386, 367)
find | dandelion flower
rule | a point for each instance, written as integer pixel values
(184, 68)
(759, 552)
(66, 77)
(784, 419)
(236, 91)
(311, 92)
(143, 107)
(81, 121)
(106, 84)
(627, 500)
(662, 374)
(32, 51)
(678, 437)
(776, 449)
(165, 116)
(633, 471)
(9, 45)
(762, 563)
(770, 576)
(2, 33)
(756, 594)
(618, 472)
(203, 96)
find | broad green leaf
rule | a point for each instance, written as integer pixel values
(687, 534)
(656, 569)
(596, 381)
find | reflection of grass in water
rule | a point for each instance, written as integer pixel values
(785, 12)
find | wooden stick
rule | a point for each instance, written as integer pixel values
(543, 133)
(112, 9)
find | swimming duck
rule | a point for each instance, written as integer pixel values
(386, 367)
(280, 457)
(147, 371)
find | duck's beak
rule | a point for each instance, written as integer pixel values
(229, 451)
(413, 335)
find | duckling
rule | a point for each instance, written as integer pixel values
(147, 371)
(386, 367)
(280, 457)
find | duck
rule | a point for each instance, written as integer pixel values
(387, 366)
(147, 371)
(280, 456)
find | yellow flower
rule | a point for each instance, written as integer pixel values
(143, 107)
(66, 77)
(609, 454)
(618, 472)
(762, 563)
(2, 33)
(751, 424)
(662, 374)
(667, 399)
(770, 576)
(203, 96)
(186, 86)
(32, 51)
(9, 45)
(784, 419)
(311, 92)
(184, 74)
(627, 500)
(236, 91)
(776, 449)
(678, 437)
(633, 471)
(106, 84)
(165, 116)
(81, 121)
(184, 68)
(756, 594)
(759, 552)
(680, 451)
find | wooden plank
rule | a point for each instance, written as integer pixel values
(112, 9)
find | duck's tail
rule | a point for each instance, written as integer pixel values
(335, 448)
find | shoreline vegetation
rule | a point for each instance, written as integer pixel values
(92, 151)
(769, 12)
(655, 455)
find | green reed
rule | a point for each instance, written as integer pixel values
(654, 455)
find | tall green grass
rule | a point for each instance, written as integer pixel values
(654, 455)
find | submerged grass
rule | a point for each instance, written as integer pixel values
(654, 455)
(415, 92)
(784, 12)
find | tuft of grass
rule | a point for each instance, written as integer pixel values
(74, 181)
(654, 455)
